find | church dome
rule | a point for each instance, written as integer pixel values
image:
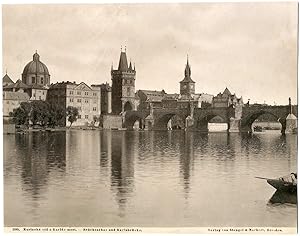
(36, 72)
(35, 66)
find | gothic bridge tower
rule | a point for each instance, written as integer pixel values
(123, 86)
(187, 85)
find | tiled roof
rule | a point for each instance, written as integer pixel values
(19, 84)
(7, 79)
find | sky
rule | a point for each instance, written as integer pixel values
(251, 48)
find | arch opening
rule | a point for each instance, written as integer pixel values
(134, 122)
(212, 123)
(169, 122)
(265, 122)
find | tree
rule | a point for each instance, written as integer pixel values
(72, 114)
(57, 115)
(39, 113)
(21, 115)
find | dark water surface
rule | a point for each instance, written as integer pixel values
(131, 178)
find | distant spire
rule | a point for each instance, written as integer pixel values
(125, 48)
(187, 71)
(134, 66)
(112, 66)
(6, 71)
(121, 48)
(290, 105)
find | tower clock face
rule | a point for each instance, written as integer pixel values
(184, 86)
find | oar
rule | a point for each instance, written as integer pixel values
(261, 177)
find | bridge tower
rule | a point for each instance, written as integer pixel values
(123, 86)
(187, 85)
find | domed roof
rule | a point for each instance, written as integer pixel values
(35, 66)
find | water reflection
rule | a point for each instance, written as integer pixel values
(283, 197)
(113, 178)
(186, 160)
(42, 153)
(122, 166)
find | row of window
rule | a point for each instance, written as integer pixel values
(85, 93)
(33, 80)
(94, 108)
(86, 116)
(79, 100)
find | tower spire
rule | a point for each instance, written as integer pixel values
(290, 105)
(187, 71)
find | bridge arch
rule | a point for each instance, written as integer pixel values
(161, 122)
(246, 124)
(132, 116)
(201, 122)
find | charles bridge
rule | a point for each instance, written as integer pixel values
(239, 118)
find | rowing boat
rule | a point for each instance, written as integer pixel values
(286, 183)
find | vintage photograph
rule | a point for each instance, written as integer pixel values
(143, 116)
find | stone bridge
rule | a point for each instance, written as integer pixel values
(197, 119)
(251, 113)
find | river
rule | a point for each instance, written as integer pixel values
(146, 178)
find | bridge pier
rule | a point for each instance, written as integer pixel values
(234, 125)
(291, 124)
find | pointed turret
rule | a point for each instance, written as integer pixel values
(130, 66)
(187, 71)
(123, 65)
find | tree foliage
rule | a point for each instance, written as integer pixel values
(39, 113)
(21, 115)
(72, 114)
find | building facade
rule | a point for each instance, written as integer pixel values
(11, 101)
(226, 99)
(85, 98)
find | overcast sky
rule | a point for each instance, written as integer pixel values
(249, 47)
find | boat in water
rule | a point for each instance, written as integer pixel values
(286, 183)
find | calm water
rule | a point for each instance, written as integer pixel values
(130, 178)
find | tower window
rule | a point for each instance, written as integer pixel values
(128, 91)
(42, 80)
(33, 80)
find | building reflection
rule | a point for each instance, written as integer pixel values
(105, 147)
(186, 149)
(121, 146)
(250, 144)
(39, 154)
